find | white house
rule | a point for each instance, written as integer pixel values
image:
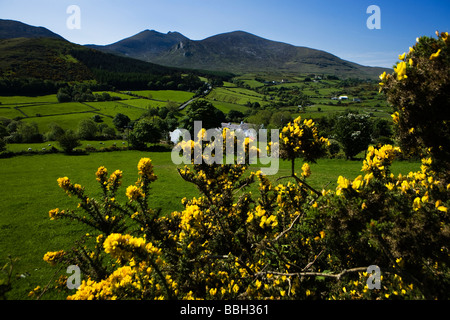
(243, 127)
(343, 98)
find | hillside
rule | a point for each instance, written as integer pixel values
(54, 60)
(41, 58)
(238, 52)
(10, 29)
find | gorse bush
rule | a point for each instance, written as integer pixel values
(419, 90)
(285, 241)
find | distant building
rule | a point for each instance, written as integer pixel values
(243, 127)
(177, 134)
(343, 98)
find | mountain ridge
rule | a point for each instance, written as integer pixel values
(239, 52)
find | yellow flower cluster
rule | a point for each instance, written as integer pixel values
(192, 219)
(64, 183)
(306, 170)
(301, 138)
(55, 214)
(128, 281)
(395, 117)
(400, 70)
(263, 218)
(145, 168)
(105, 289)
(134, 193)
(53, 257)
(121, 246)
(115, 178)
(378, 159)
(101, 174)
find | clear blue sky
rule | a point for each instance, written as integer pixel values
(336, 26)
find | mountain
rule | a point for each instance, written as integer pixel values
(146, 45)
(10, 29)
(238, 52)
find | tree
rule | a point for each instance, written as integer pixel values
(87, 129)
(109, 133)
(145, 131)
(121, 121)
(204, 111)
(54, 133)
(234, 116)
(29, 132)
(382, 131)
(353, 131)
(69, 141)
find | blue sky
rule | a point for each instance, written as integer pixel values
(336, 26)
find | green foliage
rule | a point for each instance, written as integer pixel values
(54, 133)
(29, 133)
(144, 131)
(69, 141)
(202, 110)
(121, 121)
(87, 129)
(419, 90)
(2, 145)
(353, 131)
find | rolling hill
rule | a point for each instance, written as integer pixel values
(10, 29)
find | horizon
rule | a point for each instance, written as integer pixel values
(337, 27)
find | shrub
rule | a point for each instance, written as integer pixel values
(69, 141)
(419, 90)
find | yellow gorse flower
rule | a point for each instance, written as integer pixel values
(134, 193)
(64, 183)
(145, 168)
(435, 55)
(101, 174)
(400, 70)
(395, 117)
(53, 257)
(306, 170)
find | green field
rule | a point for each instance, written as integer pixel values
(28, 190)
(235, 96)
(45, 110)
(166, 95)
